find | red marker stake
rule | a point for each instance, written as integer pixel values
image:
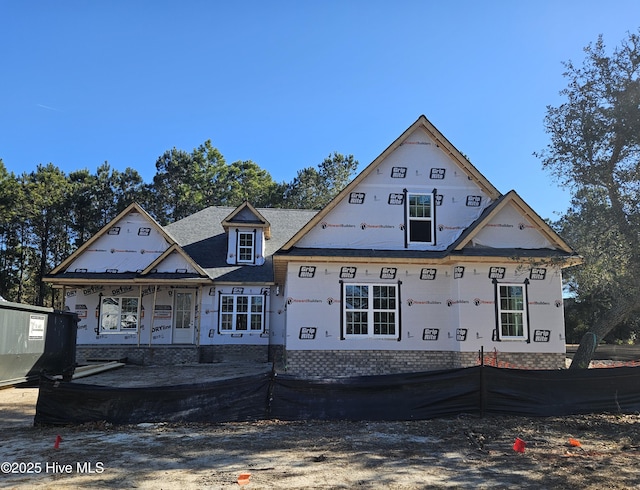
(56, 445)
(519, 445)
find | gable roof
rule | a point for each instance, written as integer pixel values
(246, 214)
(459, 251)
(175, 248)
(423, 124)
(512, 199)
(134, 207)
(201, 240)
(463, 248)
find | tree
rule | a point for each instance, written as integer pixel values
(211, 169)
(313, 189)
(129, 188)
(244, 180)
(47, 191)
(11, 195)
(83, 211)
(94, 200)
(175, 186)
(595, 152)
(188, 182)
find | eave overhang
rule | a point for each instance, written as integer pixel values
(68, 280)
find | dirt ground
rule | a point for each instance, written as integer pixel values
(458, 452)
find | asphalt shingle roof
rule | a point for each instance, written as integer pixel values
(202, 236)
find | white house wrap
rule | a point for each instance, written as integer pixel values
(418, 264)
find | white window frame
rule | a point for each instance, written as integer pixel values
(512, 310)
(237, 311)
(116, 311)
(244, 249)
(369, 312)
(421, 219)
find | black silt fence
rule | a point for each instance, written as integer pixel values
(413, 396)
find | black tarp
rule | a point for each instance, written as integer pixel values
(389, 397)
(564, 392)
(237, 399)
(413, 396)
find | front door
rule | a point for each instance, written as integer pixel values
(183, 317)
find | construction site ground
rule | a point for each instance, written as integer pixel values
(595, 451)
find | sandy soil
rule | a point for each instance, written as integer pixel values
(459, 452)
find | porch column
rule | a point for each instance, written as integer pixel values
(153, 311)
(139, 313)
(199, 322)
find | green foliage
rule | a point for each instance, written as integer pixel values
(46, 194)
(94, 200)
(590, 226)
(188, 182)
(11, 195)
(315, 188)
(176, 186)
(246, 181)
(45, 215)
(595, 152)
(580, 315)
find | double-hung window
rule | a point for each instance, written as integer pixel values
(512, 311)
(240, 313)
(118, 314)
(246, 246)
(420, 222)
(370, 310)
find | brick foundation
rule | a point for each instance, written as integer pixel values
(172, 355)
(222, 353)
(143, 356)
(334, 363)
(331, 363)
(525, 360)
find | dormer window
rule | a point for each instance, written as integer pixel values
(246, 246)
(246, 231)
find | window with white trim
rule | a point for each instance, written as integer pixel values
(370, 310)
(241, 313)
(512, 311)
(420, 218)
(246, 246)
(119, 314)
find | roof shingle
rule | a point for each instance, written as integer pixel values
(202, 236)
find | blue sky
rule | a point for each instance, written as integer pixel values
(286, 83)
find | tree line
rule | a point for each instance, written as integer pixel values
(47, 214)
